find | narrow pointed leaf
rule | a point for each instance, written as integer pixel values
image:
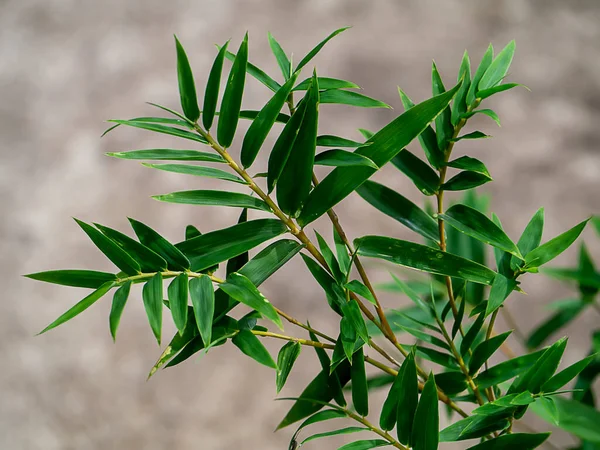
(360, 391)
(341, 250)
(341, 158)
(164, 129)
(507, 370)
(261, 126)
(351, 98)
(214, 198)
(473, 135)
(425, 432)
(166, 154)
(211, 95)
(342, 431)
(250, 345)
(572, 416)
(282, 60)
(564, 376)
(367, 134)
(81, 306)
(465, 180)
(488, 112)
(498, 69)
(443, 122)
(118, 304)
(459, 105)
(501, 289)
(554, 247)
(332, 262)
(326, 84)
(359, 288)
(485, 93)
(408, 397)
(349, 339)
(471, 164)
(178, 300)
(203, 301)
(423, 258)
(365, 444)
(471, 334)
(75, 278)
(400, 208)
(522, 441)
(257, 73)
(543, 369)
(318, 48)
(327, 140)
(198, 171)
(424, 178)
(285, 361)
(152, 295)
(111, 249)
(554, 324)
(154, 241)
(187, 87)
(486, 60)
(232, 97)
(485, 350)
(352, 311)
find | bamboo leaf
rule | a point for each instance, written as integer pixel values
(564, 376)
(166, 154)
(332, 262)
(572, 416)
(443, 122)
(118, 304)
(522, 441)
(152, 295)
(155, 242)
(465, 180)
(250, 345)
(211, 95)
(554, 247)
(197, 171)
(359, 288)
(327, 140)
(187, 87)
(423, 258)
(203, 301)
(214, 198)
(473, 135)
(285, 361)
(365, 444)
(485, 350)
(543, 369)
(318, 48)
(178, 300)
(501, 289)
(257, 73)
(470, 164)
(425, 431)
(400, 208)
(261, 126)
(348, 430)
(424, 178)
(232, 97)
(352, 311)
(351, 98)
(507, 369)
(408, 397)
(282, 60)
(326, 84)
(471, 334)
(554, 324)
(158, 128)
(341, 158)
(459, 105)
(81, 306)
(75, 278)
(360, 391)
(485, 93)
(498, 69)
(486, 60)
(488, 112)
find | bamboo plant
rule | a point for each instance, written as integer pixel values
(438, 351)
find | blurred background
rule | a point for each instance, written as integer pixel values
(66, 66)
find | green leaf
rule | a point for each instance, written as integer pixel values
(488, 112)
(470, 164)
(342, 158)
(158, 128)
(283, 146)
(408, 397)
(81, 306)
(564, 376)
(485, 350)
(486, 60)
(424, 336)
(154, 241)
(543, 369)
(498, 69)
(326, 84)
(360, 391)
(330, 259)
(425, 432)
(507, 369)
(532, 235)
(351, 98)
(349, 340)
(197, 171)
(491, 91)
(423, 258)
(572, 416)
(443, 122)
(473, 135)
(522, 441)
(348, 430)
(183, 122)
(443, 359)
(471, 334)
(501, 289)
(148, 260)
(366, 133)
(111, 250)
(75, 278)
(459, 105)
(341, 250)
(294, 184)
(282, 60)
(400, 208)
(178, 300)
(244, 291)
(217, 246)
(203, 301)
(352, 311)
(419, 172)
(116, 310)
(381, 148)
(285, 361)
(214, 198)
(252, 114)
(250, 345)
(365, 444)
(427, 138)
(475, 224)
(327, 140)
(257, 73)
(554, 324)
(465, 180)
(152, 295)
(232, 97)
(359, 288)
(261, 126)
(187, 87)
(211, 95)
(554, 247)
(167, 154)
(318, 48)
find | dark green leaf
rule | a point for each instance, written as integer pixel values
(326, 84)
(333, 291)
(232, 97)
(572, 416)
(501, 88)
(532, 235)
(349, 341)
(554, 324)
(443, 123)
(507, 370)
(282, 60)
(408, 397)
(348, 430)
(294, 184)
(269, 260)
(486, 60)
(352, 311)
(252, 114)
(473, 135)
(471, 334)
(423, 258)
(198, 171)
(351, 98)
(211, 95)
(321, 416)
(244, 291)
(366, 133)
(443, 359)
(217, 246)
(203, 301)
(111, 249)
(327, 140)
(365, 444)
(187, 87)
(451, 382)
(498, 69)
(501, 289)
(285, 361)
(341, 158)
(360, 391)
(75, 278)
(332, 263)
(116, 310)
(420, 173)
(554, 247)
(459, 105)
(471, 164)
(485, 350)
(359, 288)
(400, 208)
(488, 112)
(166, 154)
(158, 128)
(425, 337)
(250, 345)
(465, 180)
(318, 48)
(154, 241)
(522, 441)
(261, 126)
(341, 251)
(257, 73)
(425, 432)
(541, 371)
(564, 376)
(214, 198)
(178, 300)
(81, 306)
(152, 294)
(381, 148)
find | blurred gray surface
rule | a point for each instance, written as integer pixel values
(66, 66)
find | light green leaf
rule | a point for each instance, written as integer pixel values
(351, 98)
(498, 69)
(285, 361)
(250, 345)
(486, 60)
(211, 95)
(572, 416)
(488, 112)
(178, 301)
(197, 171)
(75, 278)
(326, 84)
(81, 306)
(167, 154)
(318, 48)
(187, 87)
(152, 295)
(554, 247)
(282, 60)
(214, 198)
(443, 122)
(501, 88)
(425, 431)
(367, 134)
(155, 242)
(423, 176)
(342, 158)
(459, 105)
(203, 301)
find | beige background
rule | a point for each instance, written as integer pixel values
(66, 66)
